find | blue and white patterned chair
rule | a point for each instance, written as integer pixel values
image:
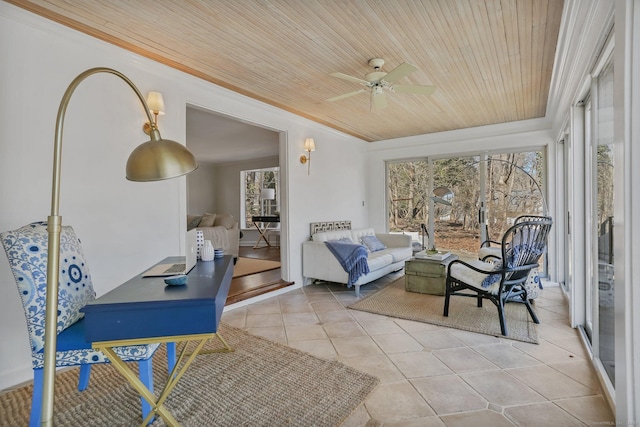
(27, 250)
(490, 250)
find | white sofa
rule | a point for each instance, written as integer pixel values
(318, 263)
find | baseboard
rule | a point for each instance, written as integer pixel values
(16, 377)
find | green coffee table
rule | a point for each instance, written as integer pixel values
(426, 276)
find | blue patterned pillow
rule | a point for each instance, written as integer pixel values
(27, 251)
(372, 243)
(493, 278)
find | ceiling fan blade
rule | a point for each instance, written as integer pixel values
(399, 72)
(378, 101)
(423, 90)
(346, 95)
(349, 78)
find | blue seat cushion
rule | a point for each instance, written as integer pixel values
(72, 338)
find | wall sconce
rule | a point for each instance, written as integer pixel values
(309, 146)
(156, 105)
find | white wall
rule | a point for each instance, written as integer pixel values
(126, 226)
(201, 190)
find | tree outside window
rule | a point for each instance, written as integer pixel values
(261, 188)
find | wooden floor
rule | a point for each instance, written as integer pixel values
(246, 287)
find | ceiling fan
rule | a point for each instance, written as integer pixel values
(378, 81)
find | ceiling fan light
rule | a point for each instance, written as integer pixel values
(377, 81)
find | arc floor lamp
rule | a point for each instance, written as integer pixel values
(154, 160)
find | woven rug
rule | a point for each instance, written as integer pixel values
(394, 301)
(246, 266)
(260, 383)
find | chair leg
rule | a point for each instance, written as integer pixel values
(171, 356)
(447, 296)
(479, 300)
(446, 304)
(145, 368)
(85, 373)
(36, 397)
(531, 313)
(503, 326)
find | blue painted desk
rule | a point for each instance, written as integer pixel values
(146, 310)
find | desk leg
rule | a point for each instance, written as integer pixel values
(227, 348)
(261, 231)
(175, 375)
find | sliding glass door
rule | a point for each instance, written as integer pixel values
(453, 203)
(600, 309)
(407, 204)
(513, 188)
(456, 226)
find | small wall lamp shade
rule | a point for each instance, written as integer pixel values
(309, 144)
(268, 194)
(155, 101)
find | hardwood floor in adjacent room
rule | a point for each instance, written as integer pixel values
(246, 287)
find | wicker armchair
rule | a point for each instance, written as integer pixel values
(491, 250)
(504, 280)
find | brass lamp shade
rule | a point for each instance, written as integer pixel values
(159, 159)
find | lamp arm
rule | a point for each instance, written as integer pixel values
(57, 154)
(54, 227)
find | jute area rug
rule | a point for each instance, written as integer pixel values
(260, 383)
(464, 314)
(246, 266)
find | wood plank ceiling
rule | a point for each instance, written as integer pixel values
(491, 60)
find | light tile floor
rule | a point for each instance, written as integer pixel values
(437, 376)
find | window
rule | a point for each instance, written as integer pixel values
(260, 193)
(469, 197)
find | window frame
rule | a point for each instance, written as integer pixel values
(258, 206)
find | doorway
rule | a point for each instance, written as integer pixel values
(225, 146)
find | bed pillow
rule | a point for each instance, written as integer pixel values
(372, 243)
(207, 220)
(193, 221)
(224, 220)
